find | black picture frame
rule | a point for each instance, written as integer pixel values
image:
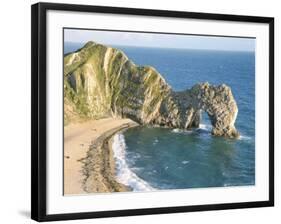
(39, 122)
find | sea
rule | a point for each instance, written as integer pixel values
(149, 158)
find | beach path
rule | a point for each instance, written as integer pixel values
(77, 140)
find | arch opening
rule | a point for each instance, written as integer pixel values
(205, 121)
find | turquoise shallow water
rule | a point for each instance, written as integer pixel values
(161, 158)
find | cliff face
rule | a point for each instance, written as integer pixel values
(100, 81)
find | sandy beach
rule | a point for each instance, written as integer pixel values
(89, 165)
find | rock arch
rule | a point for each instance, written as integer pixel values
(217, 101)
(100, 81)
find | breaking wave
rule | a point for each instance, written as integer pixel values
(206, 127)
(124, 174)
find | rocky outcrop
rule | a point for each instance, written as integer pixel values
(100, 81)
(217, 101)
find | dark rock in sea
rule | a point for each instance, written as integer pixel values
(100, 81)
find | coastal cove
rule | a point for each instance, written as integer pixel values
(114, 154)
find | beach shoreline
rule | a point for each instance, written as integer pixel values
(89, 165)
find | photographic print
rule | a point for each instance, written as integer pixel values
(157, 111)
(144, 111)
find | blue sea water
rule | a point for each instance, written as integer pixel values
(71, 47)
(159, 158)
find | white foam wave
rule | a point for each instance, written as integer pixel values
(155, 141)
(124, 174)
(242, 137)
(206, 127)
(177, 130)
(185, 162)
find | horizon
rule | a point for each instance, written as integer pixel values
(164, 41)
(157, 47)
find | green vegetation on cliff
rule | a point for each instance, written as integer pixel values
(100, 81)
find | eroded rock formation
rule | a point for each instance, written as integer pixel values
(100, 81)
(217, 101)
